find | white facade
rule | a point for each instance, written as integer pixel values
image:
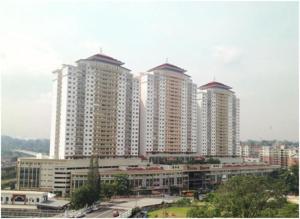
(218, 120)
(168, 111)
(95, 109)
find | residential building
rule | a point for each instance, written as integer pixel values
(245, 150)
(168, 119)
(218, 111)
(280, 155)
(95, 109)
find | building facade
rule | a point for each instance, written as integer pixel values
(63, 176)
(279, 155)
(218, 120)
(95, 109)
(168, 117)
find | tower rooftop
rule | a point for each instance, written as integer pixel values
(104, 58)
(167, 66)
(215, 84)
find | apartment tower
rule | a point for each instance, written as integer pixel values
(218, 120)
(168, 111)
(95, 109)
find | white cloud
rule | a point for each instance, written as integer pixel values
(24, 54)
(227, 54)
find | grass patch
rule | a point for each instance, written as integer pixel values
(171, 212)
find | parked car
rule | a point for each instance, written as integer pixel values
(96, 208)
(89, 210)
(80, 215)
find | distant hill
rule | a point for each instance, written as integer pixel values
(8, 144)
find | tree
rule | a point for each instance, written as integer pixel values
(248, 196)
(289, 177)
(122, 184)
(90, 192)
(82, 196)
(108, 190)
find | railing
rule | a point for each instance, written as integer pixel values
(12, 212)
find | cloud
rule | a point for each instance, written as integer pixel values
(24, 54)
(226, 54)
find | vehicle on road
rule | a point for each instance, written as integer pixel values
(116, 213)
(89, 210)
(96, 208)
(80, 215)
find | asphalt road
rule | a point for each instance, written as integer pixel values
(123, 204)
(103, 213)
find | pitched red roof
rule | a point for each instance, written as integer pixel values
(105, 58)
(168, 66)
(215, 84)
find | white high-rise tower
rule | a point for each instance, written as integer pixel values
(95, 109)
(218, 120)
(168, 112)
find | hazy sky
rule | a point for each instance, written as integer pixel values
(251, 46)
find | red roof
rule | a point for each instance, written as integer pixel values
(168, 66)
(105, 58)
(215, 84)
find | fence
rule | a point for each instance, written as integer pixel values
(12, 212)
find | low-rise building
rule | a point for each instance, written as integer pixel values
(13, 197)
(63, 176)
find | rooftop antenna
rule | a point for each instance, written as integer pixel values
(167, 60)
(214, 79)
(101, 51)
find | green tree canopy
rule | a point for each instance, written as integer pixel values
(108, 190)
(122, 184)
(82, 196)
(248, 196)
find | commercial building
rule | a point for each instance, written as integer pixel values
(63, 176)
(168, 117)
(218, 120)
(95, 109)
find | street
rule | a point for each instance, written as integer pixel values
(124, 204)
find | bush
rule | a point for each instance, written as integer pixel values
(205, 211)
(184, 202)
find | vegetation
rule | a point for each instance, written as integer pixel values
(184, 202)
(289, 177)
(120, 186)
(240, 196)
(82, 196)
(8, 172)
(90, 192)
(108, 190)
(123, 185)
(8, 144)
(8, 183)
(206, 210)
(248, 196)
(169, 212)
